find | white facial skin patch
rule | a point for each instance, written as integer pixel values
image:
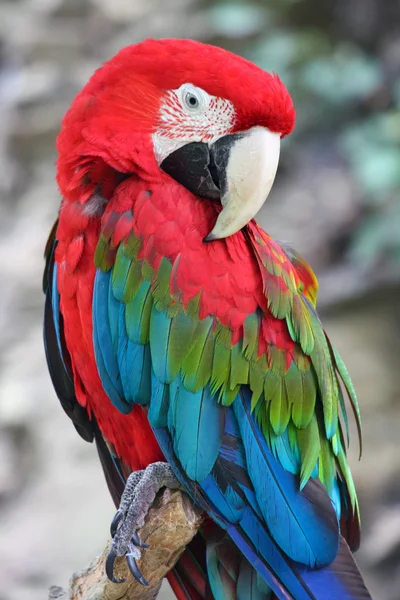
(189, 114)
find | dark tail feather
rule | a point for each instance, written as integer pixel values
(186, 581)
(350, 520)
(229, 572)
(342, 578)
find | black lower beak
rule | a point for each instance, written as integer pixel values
(193, 167)
(201, 168)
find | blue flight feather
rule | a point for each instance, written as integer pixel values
(256, 544)
(222, 565)
(233, 454)
(307, 532)
(107, 383)
(286, 578)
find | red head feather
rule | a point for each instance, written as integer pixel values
(109, 125)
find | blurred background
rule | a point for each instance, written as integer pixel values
(336, 199)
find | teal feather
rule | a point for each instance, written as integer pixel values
(249, 585)
(102, 326)
(159, 405)
(106, 358)
(134, 360)
(138, 372)
(219, 568)
(160, 328)
(124, 368)
(114, 307)
(196, 421)
(335, 498)
(288, 457)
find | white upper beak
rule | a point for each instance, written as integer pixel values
(250, 173)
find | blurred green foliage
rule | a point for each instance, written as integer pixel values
(342, 67)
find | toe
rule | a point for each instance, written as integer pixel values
(137, 541)
(110, 561)
(115, 522)
(134, 569)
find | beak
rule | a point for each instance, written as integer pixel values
(238, 170)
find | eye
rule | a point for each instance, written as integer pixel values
(191, 100)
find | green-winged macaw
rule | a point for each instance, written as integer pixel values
(186, 340)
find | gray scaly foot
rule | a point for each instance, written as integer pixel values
(139, 494)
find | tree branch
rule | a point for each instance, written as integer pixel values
(171, 524)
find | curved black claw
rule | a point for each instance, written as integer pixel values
(132, 564)
(111, 557)
(115, 522)
(137, 541)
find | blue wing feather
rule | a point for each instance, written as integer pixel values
(307, 532)
(219, 454)
(124, 366)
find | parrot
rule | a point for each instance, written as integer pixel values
(185, 340)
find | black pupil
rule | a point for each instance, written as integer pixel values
(192, 100)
